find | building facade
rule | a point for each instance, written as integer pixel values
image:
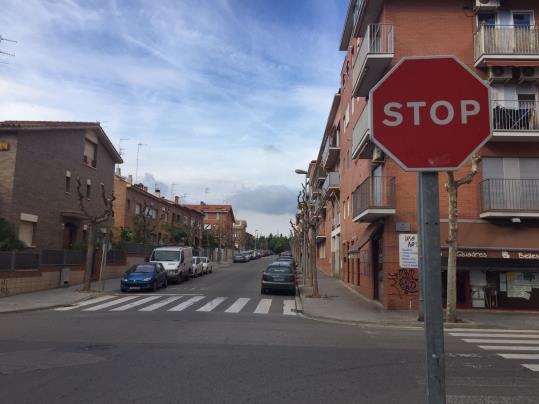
(41, 164)
(150, 217)
(367, 204)
(239, 235)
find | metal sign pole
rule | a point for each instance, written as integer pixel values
(421, 270)
(430, 264)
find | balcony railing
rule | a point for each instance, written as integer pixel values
(360, 135)
(337, 220)
(330, 154)
(332, 182)
(502, 197)
(515, 115)
(374, 55)
(506, 40)
(374, 198)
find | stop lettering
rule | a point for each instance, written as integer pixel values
(430, 114)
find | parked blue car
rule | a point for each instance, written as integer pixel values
(145, 276)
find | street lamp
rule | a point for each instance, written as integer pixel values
(299, 171)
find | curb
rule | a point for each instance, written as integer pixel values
(51, 306)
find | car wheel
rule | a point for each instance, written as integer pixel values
(165, 283)
(124, 290)
(154, 286)
(262, 291)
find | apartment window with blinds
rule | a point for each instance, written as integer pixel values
(138, 209)
(26, 232)
(90, 153)
(68, 184)
(322, 250)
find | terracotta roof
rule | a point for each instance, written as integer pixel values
(44, 125)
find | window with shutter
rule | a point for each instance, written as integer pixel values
(26, 233)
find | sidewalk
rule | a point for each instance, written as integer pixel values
(46, 299)
(340, 304)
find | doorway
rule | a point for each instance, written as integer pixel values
(70, 235)
(377, 267)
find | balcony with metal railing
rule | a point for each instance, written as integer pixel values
(373, 58)
(509, 198)
(494, 43)
(331, 184)
(373, 199)
(362, 146)
(515, 120)
(330, 155)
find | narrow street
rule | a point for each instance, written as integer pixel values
(228, 347)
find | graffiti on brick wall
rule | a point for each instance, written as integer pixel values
(3, 288)
(404, 282)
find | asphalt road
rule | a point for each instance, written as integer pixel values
(240, 350)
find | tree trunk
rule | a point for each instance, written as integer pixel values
(452, 242)
(89, 257)
(315, 293)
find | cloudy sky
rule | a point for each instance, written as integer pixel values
(227, 97)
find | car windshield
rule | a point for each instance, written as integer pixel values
(164, 255)
(277, 270)
(143, 268)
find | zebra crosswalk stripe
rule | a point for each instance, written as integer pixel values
(162, 303)
(289, 307)
(187, 303)
(508, 348)
(212, 304)
(112, 303)
(237, 305)
(263, 306)
(519, 356)
(493, 335)
(85, 303)
(494, 330)
(532, 367)
(501, 341)
(139, 302)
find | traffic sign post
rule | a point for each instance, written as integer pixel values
(430, 114)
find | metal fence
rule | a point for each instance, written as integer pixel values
(24, 260)
(515, 115)
(374, 193)
(509, 195)
(139, 248)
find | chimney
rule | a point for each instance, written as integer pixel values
(145, 188)
(177, 200)
(130, 179)
(158, 193)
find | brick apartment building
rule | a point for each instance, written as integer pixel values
(366, 201)
(239, 235)
(39, 166)
(219, 219)
(158, 213)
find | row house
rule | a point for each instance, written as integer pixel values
(367, 204)
(155, 214)
(42, 164)
(239, 235)
(219, 219)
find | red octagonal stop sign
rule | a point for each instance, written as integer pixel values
(430, 113)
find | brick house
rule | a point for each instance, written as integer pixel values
(39, 166)
(134, 200)
(366, 201)
(239, 234)
(219, 219)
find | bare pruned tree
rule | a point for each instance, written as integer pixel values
(452, 187)
(92, 222)
(309, 221)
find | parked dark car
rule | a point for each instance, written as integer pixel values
(144, 276)
(240, 258)
(287, 258)
(278, 276)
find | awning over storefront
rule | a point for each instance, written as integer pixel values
(364, 239)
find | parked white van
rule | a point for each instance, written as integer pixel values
(175, 260)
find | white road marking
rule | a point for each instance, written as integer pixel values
(212, 304)
(187, 303)
(263, 306)
(486, 335)
(519, 356)
(509, 348)
(495, 330)
(136, 303)
(534, 368)
(85, 303)
(288, 307)
(113, 303)
(238, 305)
(161, 303)
(501, 341)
